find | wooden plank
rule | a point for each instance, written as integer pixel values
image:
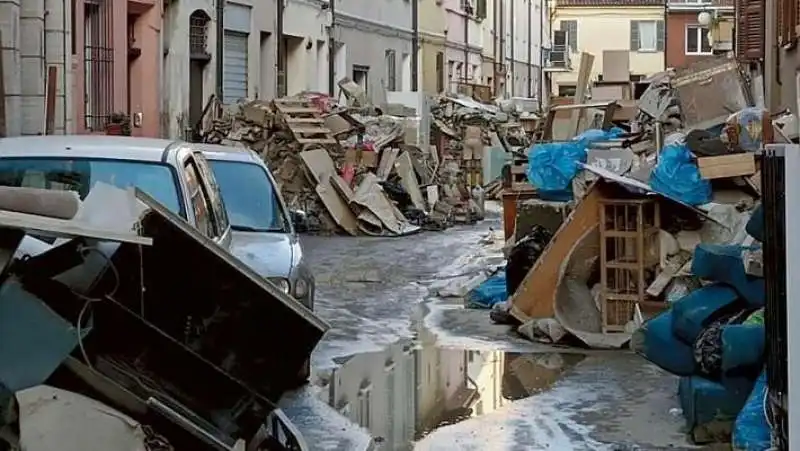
(316, 141)
(519, 169)
(304, 120)
(297, 110)
(535, 297)
(725, 166)
(309, 130)
(584, 72)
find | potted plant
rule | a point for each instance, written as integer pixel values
(118, 124)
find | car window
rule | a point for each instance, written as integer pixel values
(80, 175)
(214, 194)
(200, 204)
(249, 196)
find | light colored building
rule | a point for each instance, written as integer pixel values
(464, 41)
(596, 25)
(306, 38)
(432, 28)
(688, 40)
(374, 39)
(524, 30)
(37, 34)
(190, 57)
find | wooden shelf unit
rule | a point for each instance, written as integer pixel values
(629, 257)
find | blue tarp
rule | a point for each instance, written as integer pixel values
(488, 293)
(552, 166)
(676, 175)
(751, 431)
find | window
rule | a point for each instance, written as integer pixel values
(440, 72)
(697, 40)
(570, 27)
(566, 90)
(391, 70)
(361, 76)
(647, 35)
(98, 55)
(203, 212)
(80, 175)
(249, 197)
(198, 33)
(480, 9)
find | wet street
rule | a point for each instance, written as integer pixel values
(407, 370)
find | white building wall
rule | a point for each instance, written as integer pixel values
(524, 26)
(307, 61)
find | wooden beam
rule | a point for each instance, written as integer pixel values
(584, 72)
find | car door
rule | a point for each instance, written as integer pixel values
(199, 201)
(215, 198)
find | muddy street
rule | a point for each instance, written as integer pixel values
(404, 369)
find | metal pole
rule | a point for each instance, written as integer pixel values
(280, 52)
(220, 46)
(530, 48)
(466, 46)
(771, 100)
(414, 45)
(542, 6)
(513, 67)
(332, 51)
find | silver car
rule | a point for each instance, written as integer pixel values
(263, 235)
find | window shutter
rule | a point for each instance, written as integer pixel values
(571, 27)
(634, 35)
(660, 35)
(750, 29)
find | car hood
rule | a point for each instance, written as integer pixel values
(267, 253)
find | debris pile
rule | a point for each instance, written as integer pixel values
(354, 170)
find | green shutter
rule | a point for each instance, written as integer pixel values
(571, 27)
(634, 35)
(660, 36)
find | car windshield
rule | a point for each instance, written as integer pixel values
(80, 175)
(249, 196)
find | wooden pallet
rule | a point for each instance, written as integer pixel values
(305, 121)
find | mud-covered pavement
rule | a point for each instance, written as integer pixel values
(418, 372)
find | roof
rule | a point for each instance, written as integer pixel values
(86, 146)
(217, 152)
(608, 3)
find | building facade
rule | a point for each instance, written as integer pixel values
(374, 39)
(306, 42)
(688, 40)
(464, 41)
(432, 28)
(190, 66)
(594, 26)
(524, 28)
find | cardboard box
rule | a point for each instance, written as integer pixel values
(725, 166)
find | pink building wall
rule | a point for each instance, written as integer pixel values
(124, 82)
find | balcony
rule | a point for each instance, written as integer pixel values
(557, 59)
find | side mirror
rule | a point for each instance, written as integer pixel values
(299, 220)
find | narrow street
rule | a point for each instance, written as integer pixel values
(416, 371)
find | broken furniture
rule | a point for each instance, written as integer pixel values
(629, 257)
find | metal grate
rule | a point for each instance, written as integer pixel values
(98, 64)
(772, 185)
(198, 33)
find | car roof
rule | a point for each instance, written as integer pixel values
(218, 152)
(87, 146)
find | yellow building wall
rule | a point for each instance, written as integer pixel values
(602, 29)
(432, 25)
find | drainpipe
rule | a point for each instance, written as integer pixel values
(503, 42)
(496, 52)
(332, 51)
(513, 53)
(466, 46)
(280, 51)
(530, 48)
(541, 54)
(220, 29)
(414, 45)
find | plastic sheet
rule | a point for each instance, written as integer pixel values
(552, 166)
(678, 177)
(751, 431)
(490, 292)
(743, 129)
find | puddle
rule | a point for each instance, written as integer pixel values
(408, 390)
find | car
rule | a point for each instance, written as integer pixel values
(263, 231)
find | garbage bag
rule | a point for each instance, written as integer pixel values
(490, 292)
(751, 432)
(524, 255)
(678, 177)
(743, 129)
(552, 166)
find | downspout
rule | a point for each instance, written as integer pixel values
(496, 52)
(512, 19)
(530, 48)
(220, 29)
(280, 51)
(466, 46)
(502, 57)
(414, 46)
(666, 32)
(332, 51)
(541, 54)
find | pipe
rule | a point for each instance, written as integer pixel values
(541, 54)
(503, 42)
(414, 45)
(280, 51)
(332, 51)
(530, 48)
(496, 52)
(512, 20)
(466, 46)
(220, 50)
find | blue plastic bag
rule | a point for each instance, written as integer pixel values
(552, 166)
(490, 292)
(751, 431)
(677, 176)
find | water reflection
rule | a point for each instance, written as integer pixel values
(405, 392)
